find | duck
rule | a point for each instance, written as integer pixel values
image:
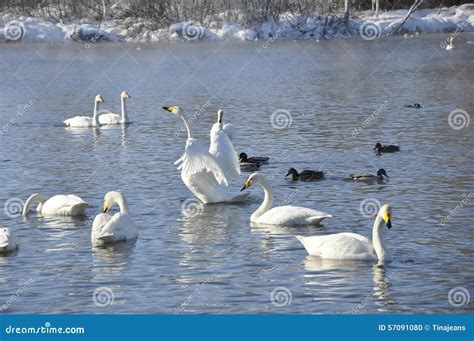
(107, 229)
(249, 167)
(8, 240)
(352, 246)
(59, 205)
(281, 215)
(390, 148)
(415, 105)
(85, 121)
(256, 159)
(305, 175)
(381, 175)
(109, 118)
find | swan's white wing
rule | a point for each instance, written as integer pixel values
(109, 118)
(79, 122)
(224, 153)
(8, 241)
(291, 216)
(66, 205)
(197, 160)
(228, 128)
(109, 229)
(349, 246)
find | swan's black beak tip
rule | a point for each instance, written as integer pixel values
(389, 224)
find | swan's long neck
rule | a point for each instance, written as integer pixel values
(124, 111)
(267, 201)
(122, 203)
(377, 243)
(95, 118)
(31, 200)
(184, 117)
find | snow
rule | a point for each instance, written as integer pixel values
(363, 24)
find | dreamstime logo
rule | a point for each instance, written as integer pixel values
(192, 32)
(281, 296)
(370, 31)
(463, 203)
(281, 119)
(13, 207)
(459, 119)
(458, 296)
(277, 35)
(191, 207)
(377, 111)
(202, 109)
(103, 296)
(369, 207)
(459, 29)
(14, 30)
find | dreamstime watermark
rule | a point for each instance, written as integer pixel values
(459, 119)
(191, 297)
(202, 109)
(14, 31)
(377, 111)
(21, 109)
(278, 34)
(457, 31)
(17, 294)
(281, 297)
(281, 119)
(192, 207)
(369, 207)
(458, 297)
(380, 286)
(103, 296)
(370, 30)
(458, 208)
(192, 32)
(13, 207)
(290, 197)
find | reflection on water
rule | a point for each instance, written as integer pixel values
(214, 254)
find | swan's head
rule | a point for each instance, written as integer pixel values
(99, 99)
(110, 199)
(125, 94)
(243, 157)
(175, 110)
(220, 113)
(292, 171)
(254, 178)
(381, 172)
(386, 214)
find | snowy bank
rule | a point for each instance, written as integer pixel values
(362, 24)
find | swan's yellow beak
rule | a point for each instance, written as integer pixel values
(386, 218)
(170, 109)
(105, 210)
(127, 95)
(247, 184)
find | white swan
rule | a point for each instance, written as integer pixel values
(450, 46)
(8, 241)
(200, 172)
(281, 215)
(63, 205)
(85, 121)
(109, 118)
(351, 246)
(223, 150)
(119, 227)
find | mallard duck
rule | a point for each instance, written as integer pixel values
(390, 148)
(255, 159)
(305, 175)
(381, 175)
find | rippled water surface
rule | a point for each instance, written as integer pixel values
(215, 261)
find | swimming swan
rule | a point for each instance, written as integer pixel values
(200, 172)
(223, 150)
(8, 241)
(281, 215)
(450, 46)
(62, 205)
(111, 118)
(108, 229)
(351, 246)
(85, 121)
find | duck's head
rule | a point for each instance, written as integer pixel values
(385, 213)
(220, 114)
(99, 99)
(243, 157)
(254, 178)
(417, 105)
(378, 147)
(175, 110)
(110, 199)
(292, 171)
(125, 94)
(381, 172)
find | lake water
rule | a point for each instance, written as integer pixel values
(214, 261)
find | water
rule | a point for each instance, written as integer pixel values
(215, 261)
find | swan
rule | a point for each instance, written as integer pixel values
(85, 121)
(223, 150)
(8, 241)
(281, 215)
(119, 227)
(450, 46)
(390, 148)
(110, 118)
(381, 175)
(62, 205)
(305, 175)
(351, 246)
(200, 172)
